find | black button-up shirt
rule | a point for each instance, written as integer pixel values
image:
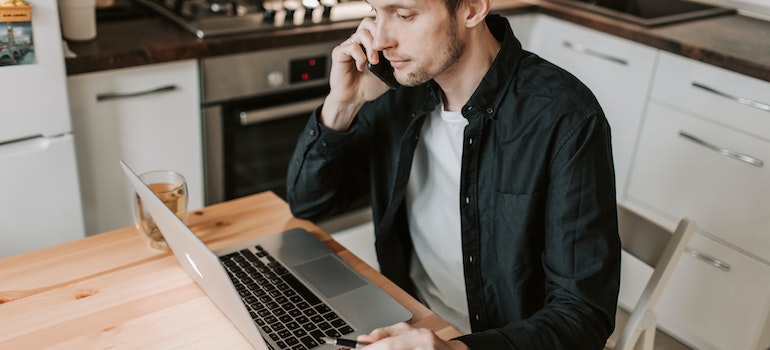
(537, 198)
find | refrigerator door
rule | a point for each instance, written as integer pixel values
(40, 202)
(34, 96)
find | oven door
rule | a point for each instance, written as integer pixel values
(249, 142)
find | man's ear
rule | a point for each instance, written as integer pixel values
(477, 11)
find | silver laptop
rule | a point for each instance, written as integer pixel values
(282, 291)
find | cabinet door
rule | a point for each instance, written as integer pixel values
(684, 167)
(148, 116)
(717, 298)
(522, 25)
(618, 72)
(721, 96)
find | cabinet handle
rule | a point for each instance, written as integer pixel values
(584, 50)
(117, 95)
(745, 101)
(724, 151)
(709, 259)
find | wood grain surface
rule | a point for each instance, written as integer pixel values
(111, 291)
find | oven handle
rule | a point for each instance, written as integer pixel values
(278, 112)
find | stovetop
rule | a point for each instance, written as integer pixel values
(207, 18)
(649, 12)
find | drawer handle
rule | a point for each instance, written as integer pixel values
(723, 151)
(746, 101)
(584, 50)
(709, 259)
(115, 96)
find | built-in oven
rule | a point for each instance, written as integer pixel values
(255, 105)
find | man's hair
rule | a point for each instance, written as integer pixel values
(452, 5)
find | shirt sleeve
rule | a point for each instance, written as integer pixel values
(328, 170)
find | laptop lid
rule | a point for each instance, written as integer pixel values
(354, 297)
(198, 261)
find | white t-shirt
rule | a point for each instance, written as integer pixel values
(433, 210)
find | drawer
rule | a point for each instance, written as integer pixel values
(725, 97)
(710, 308)
(677, 175)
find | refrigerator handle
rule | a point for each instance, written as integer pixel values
(37, 143)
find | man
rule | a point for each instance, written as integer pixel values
(490, 175)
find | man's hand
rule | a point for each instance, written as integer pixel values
(351, 83)
(402, 336)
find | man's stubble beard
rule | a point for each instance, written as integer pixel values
(453, 52)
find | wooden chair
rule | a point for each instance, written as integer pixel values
(659, 248)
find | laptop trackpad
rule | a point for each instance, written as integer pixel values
(330, 276)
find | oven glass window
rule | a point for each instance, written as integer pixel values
(257, 153)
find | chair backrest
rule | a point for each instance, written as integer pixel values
(660, 248)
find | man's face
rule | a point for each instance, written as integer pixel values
(420, 38)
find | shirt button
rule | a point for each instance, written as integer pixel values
(490, 110)
(470, 141)
(469, 108)
(477, 317)
(324, 143)
(467, 200)
(312, 132)
(470, 258)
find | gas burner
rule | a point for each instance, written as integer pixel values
(207, 18)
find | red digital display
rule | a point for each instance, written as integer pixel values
(307, 69)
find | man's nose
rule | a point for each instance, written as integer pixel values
(382, 36)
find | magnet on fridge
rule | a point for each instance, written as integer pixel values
(16, 45)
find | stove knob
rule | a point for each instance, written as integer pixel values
(269, 15)
(327, 4)
(309, 5)
(275, 78)
(290, 6)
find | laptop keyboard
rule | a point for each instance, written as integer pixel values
(287, 311)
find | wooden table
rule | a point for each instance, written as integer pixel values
(111, 291)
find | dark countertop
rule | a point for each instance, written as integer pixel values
(733, 42)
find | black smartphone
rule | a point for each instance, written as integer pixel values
(384, 71)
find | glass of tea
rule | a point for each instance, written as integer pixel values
(171, 188)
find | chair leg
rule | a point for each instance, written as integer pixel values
(646, 339)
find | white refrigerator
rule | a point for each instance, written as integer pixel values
(40, 201)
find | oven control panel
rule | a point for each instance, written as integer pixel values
(307, 69)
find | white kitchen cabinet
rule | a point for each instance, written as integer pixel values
(148, 116)
(703, 153)
(522, 25)
(678, 173)
(717, 298)
(618, 72)
(723, 97)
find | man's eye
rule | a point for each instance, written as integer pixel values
(404, 17)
